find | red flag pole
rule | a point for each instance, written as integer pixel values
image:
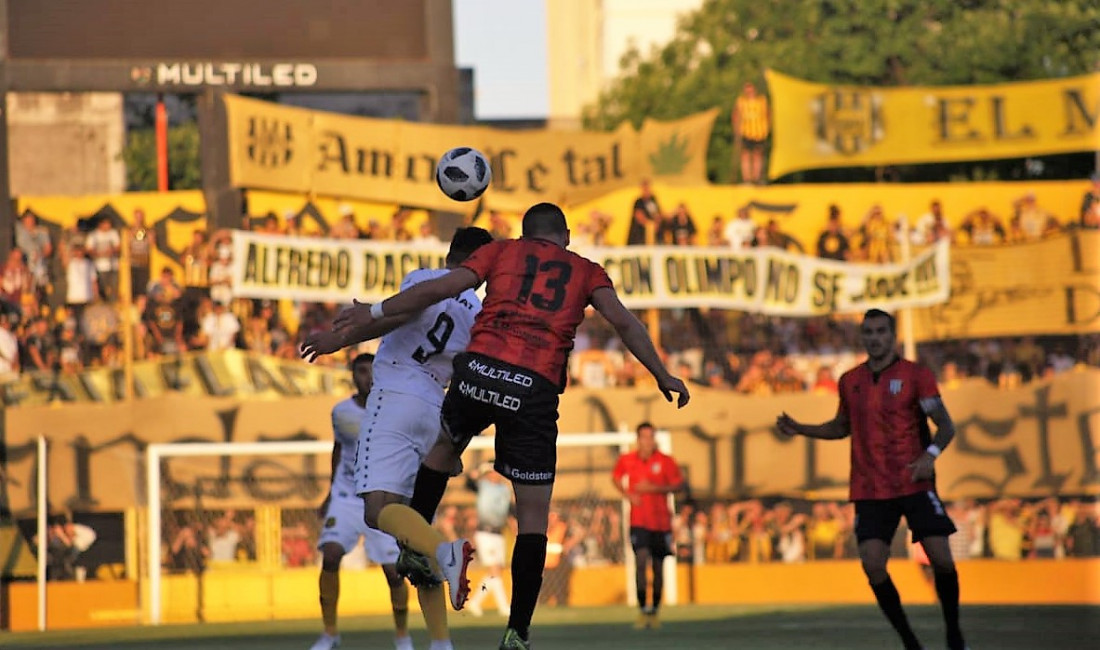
(162, 144)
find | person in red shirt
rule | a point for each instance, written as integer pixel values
(885, 404)
(510, 376)
(646, 477)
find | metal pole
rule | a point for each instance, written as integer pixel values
(162, 144)
(653, 316)
(125, 291)
(7, 207)
(42, 532)
(908, 343)
(152, 482)
(668, 566)
(628, 553)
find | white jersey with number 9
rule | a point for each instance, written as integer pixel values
(416, 358)
(411, 371)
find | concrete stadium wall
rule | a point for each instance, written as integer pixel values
(241, 594)
(66, 143)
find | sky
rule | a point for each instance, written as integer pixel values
(505, 42)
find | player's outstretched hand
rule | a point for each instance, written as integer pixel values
(786, 424)
(320, 343)
(670, 385)
(357, 315)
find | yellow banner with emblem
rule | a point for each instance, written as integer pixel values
(390, 161)
(818, 125)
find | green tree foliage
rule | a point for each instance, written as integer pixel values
(140, 156)
(863, 42)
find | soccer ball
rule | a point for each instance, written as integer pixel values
(463, 173)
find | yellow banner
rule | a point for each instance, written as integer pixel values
(817, 125)
(1049, 287)
(227, 373)
(800, 211)
(172, 216)
(1039, 439)
(298, 150)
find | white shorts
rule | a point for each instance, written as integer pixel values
(396, 434)
(344, 525)
(490, 548)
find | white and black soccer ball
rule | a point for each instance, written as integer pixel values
(463, 173)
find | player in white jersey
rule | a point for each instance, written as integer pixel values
(411, 371)
(344, 522)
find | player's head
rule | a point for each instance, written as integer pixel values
(465, 242)
(546, 221)
(879, 333)
(362, 372)
(647, 439)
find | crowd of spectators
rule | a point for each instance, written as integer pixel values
(193, 540)
(62, 313)
(791, 531)
(61, 310)
(775, 530)
(704, 533)
(767, 355)
(876, 238)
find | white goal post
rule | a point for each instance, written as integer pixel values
(155, 453)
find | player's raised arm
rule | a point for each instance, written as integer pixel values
(411, 300)
(328, 342)
(637, 340)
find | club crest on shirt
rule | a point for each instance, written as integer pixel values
(655, 468)
(330, 522)
(895, 386)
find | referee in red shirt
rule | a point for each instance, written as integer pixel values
(885, 404)
(650, 477)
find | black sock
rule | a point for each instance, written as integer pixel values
(947, 588)
(658, 582)
(428, 491)
(890, 602)
(528, 562)
(641, 566)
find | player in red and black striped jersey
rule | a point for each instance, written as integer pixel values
(885, 405)
(510, 376)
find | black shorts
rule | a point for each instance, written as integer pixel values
(659, 543)
(879, 518)
(748, 144)
(521, 404)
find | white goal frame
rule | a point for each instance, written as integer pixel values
(154, 453)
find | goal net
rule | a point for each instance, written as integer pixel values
(232, 528)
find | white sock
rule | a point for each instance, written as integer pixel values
(403, 643)
(441, 645)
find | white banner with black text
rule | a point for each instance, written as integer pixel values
(761, 280)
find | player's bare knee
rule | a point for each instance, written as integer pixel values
(443, 456)
(331, 555)
(393, 579)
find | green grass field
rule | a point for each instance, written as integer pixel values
(685, 628)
